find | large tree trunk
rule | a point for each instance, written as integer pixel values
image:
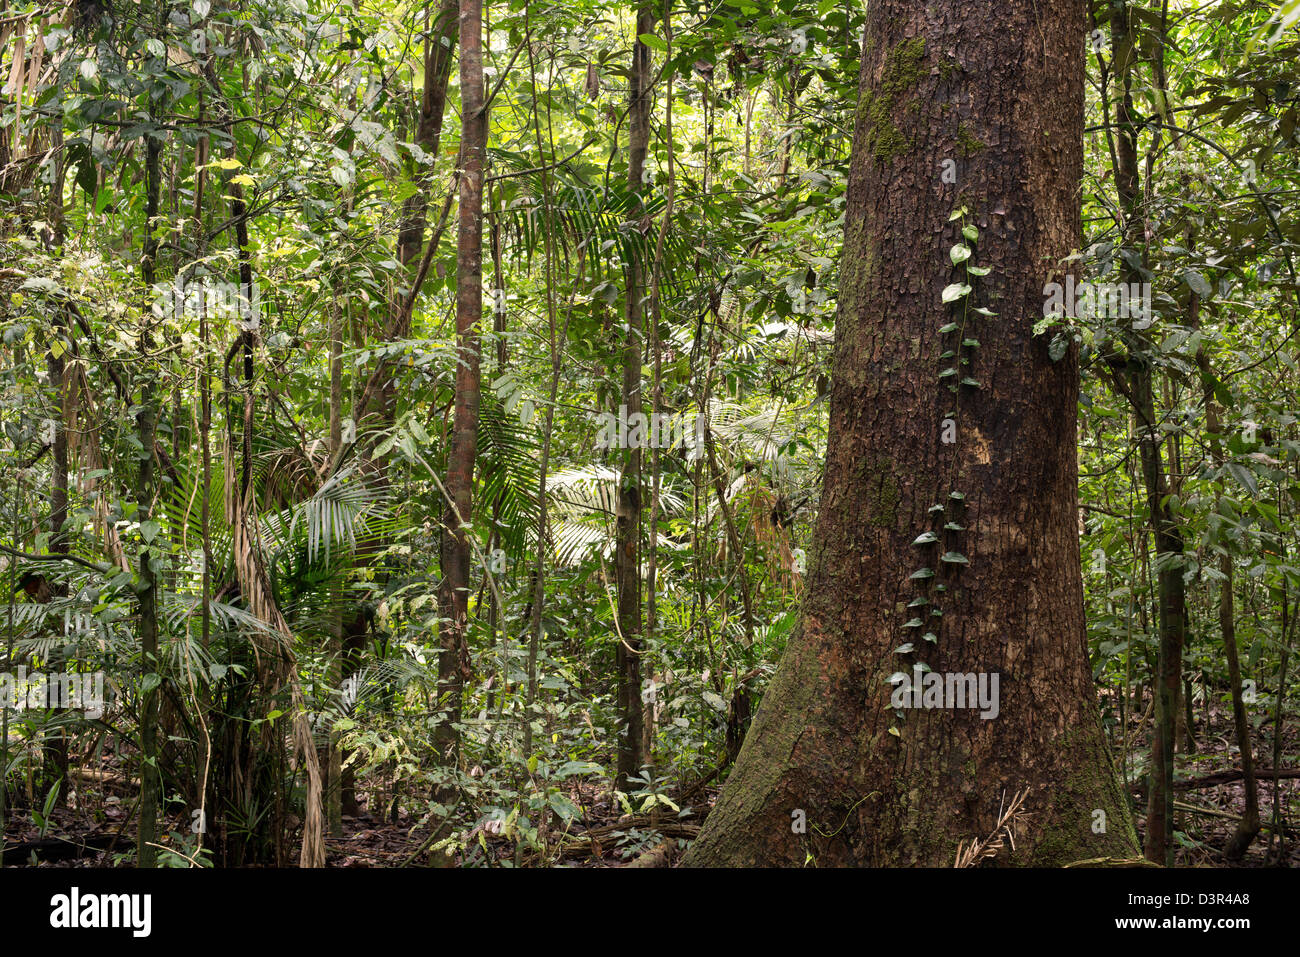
(830, 771)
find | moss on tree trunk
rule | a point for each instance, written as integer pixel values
(831, 773)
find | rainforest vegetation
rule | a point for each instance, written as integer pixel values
(508, 433)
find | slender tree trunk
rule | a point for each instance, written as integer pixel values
(656, 388)
(278, 662)
(1136, 379)
(740, 708)
(1171, 618)
(1278, 851)
(538, 589)
(438, 51)
(453, 663)
(627, 562)
(1248, 827)
(204, 703)
(381, 402)
(14, 493)
(56, 742)
(335, 756)
(146, 853)
(832, 770)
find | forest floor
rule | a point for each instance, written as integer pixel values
(96, 830)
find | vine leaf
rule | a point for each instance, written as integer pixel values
(1058, 347)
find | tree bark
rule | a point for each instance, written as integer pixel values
(150, 787)
(1248, 827)
(438, 51)
(56, 742)
(1136, 379)
(829, 771)
(627, 560)
(335, 757)
(381, 401)
(453, 663)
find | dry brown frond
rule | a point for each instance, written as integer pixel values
(1004, 833)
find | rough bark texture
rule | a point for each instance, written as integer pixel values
(999, 89)
(453, 667)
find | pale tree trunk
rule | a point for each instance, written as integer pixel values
(830, 771)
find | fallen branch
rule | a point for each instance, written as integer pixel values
(1113, 862)
(657, 856)
(59, 848)
(1221, 777)
(103, 777)
(1226, 815)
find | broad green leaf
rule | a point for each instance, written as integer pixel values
(955, 291)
